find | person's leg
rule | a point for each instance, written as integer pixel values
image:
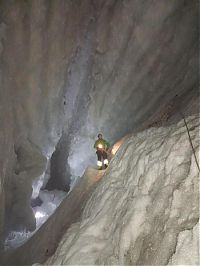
(105, 159)
(99, 162)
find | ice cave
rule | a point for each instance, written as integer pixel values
(69, 70)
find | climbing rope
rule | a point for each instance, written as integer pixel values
(190, 140)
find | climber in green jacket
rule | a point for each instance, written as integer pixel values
(102, 146)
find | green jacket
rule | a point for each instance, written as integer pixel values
(103, 142)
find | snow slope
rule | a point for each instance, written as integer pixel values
(145, 209)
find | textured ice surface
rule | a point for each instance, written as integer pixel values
(16, 239)
(50, 201)
(145, 209)
(187, 249)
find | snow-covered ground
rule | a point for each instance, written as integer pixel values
(145, 210)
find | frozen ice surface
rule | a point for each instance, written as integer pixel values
(16, 239)
(187, 249)
(51, 200)
(145, 209)
(74, 180)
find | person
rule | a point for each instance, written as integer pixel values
(101, 146)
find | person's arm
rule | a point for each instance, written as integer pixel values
(95, 145)
(107, 145)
